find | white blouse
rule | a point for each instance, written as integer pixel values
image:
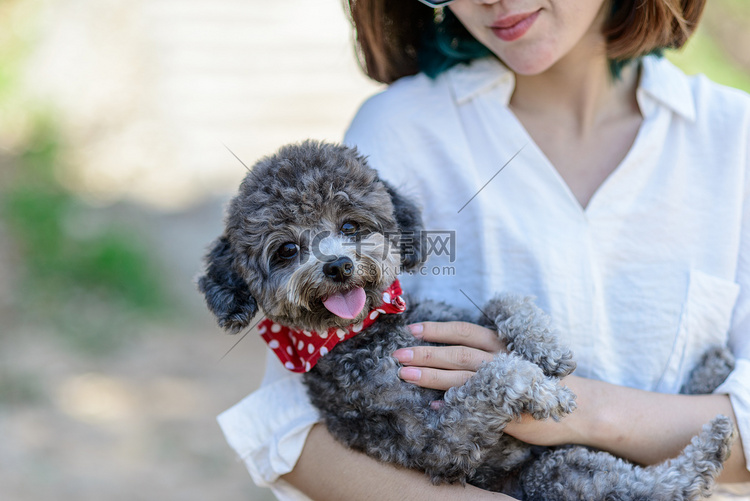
(655, 270)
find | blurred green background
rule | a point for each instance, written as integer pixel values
(112, 180)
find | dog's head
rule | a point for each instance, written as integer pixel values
(312, 238)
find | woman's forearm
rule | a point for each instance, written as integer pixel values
(644, 427)
(329, 471)
(647, 427)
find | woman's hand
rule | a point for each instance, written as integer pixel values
(467, 347)
(644, 427)
(442, 367)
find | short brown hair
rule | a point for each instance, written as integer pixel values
(392, 34)
(637, 27)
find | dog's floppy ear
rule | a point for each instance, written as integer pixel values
(409, 219)
(226, 292)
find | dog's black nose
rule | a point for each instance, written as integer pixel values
(339, 270)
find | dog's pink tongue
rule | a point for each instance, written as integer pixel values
(348, 304)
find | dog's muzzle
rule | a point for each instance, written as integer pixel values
(339, 270)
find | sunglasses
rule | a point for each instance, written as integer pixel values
(437, 3)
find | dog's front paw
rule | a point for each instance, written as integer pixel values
(508, 387)
(526, 330)
(551, 400)
(557, 362)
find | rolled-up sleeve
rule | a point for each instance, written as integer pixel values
(737, 385)
(268, 428)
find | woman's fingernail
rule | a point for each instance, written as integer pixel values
(416, 330)
(403, 355)
(410, 374)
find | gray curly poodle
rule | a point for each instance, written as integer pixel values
(315, 240)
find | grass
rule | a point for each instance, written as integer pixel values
(79, 271)
(89, 277)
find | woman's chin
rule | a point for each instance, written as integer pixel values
(529, 62)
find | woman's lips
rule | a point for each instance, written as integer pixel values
(513, 27)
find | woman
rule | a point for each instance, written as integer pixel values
(565, 162)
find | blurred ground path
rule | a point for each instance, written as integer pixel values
(137, 423)
(147, 93)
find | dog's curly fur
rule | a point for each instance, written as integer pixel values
(310, 189)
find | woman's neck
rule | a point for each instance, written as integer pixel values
(578, 91)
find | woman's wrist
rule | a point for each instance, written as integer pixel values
(589, 424)
(644, 427)
(574, 428)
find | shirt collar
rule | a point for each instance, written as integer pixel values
(479, 76)
(661, 84)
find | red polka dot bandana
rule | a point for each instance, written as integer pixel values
(299, 350)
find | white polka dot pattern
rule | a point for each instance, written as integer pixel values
(299, 350)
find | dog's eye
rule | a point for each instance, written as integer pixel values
(288, 250)
(349, 228)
